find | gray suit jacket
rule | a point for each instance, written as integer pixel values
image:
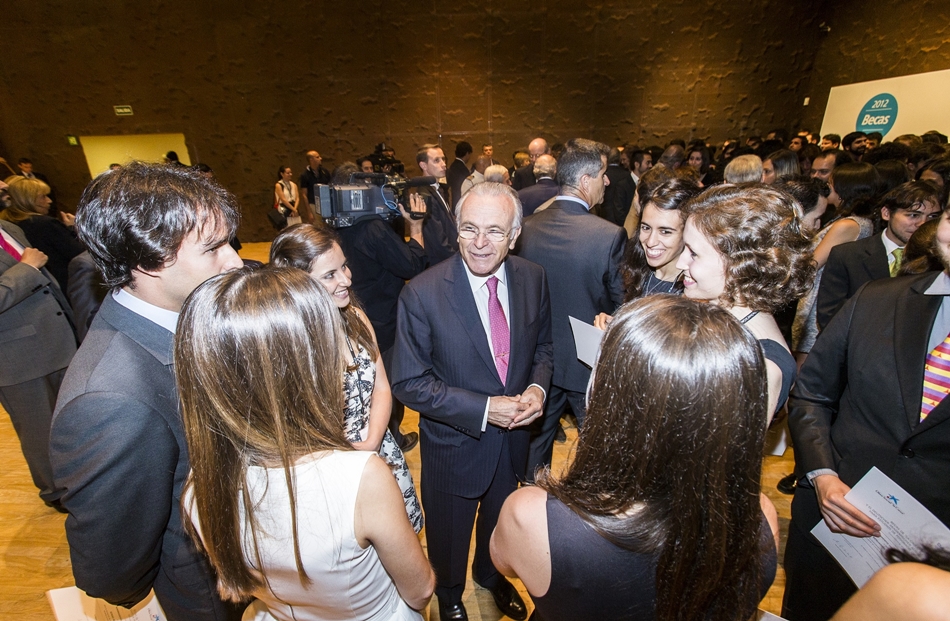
(36, 335)
(118, 450)
(581, 255)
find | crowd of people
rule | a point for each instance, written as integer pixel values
(221, 431)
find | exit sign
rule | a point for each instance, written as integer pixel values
(122, 110)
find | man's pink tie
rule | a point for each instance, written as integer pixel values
(500, 335)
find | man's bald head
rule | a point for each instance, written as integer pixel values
(483, 162)
(537, 148)
(545, 166)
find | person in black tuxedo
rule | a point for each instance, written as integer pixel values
(117, 443)
(860, 402)
(533, 196)
(524, 176)
(438, 230)
(581, 255)
(850, 265)
(458, 171)
(474, 357)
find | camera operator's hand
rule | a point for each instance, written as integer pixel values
(417, 206)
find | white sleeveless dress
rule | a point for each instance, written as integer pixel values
(347, 581)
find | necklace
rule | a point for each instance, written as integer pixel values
(746, 319)
(654, 284)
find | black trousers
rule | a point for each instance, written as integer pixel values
(449, 521)
(544, 429)
(815, 585)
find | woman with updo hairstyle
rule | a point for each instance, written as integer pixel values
(368, 399)
(284, 507)
(28, 209)
(747, 252)
(659, 515)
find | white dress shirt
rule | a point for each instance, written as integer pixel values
(163, 317)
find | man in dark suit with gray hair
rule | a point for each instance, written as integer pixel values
(581, 255)
(473, 356)
(117, 443)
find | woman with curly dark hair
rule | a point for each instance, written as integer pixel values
(746, 251)
(659, 516)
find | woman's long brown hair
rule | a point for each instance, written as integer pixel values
(669, 458)
(302, 244)
(258, 361)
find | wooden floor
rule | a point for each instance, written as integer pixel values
(34, 556)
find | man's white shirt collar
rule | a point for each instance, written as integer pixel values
(565, 197)
(163, 317)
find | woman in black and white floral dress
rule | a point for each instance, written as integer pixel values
(366, 387)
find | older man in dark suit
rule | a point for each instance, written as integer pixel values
(871, 394)
(533, 196)
(37, 342)
(581, 255)
(117, 444)
(524, 176)
(850, 265)
(473, 356)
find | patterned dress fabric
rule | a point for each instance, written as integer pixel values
(358, 386)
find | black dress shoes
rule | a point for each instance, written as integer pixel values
(787, 484)
(409, 441)
(452, 612)
(508, 600)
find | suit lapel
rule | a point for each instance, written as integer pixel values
(913, 321)
(462, 300)
(876, 262)
(517, 319)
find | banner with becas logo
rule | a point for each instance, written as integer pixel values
(910, 104)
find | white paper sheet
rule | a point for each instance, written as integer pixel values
(761, 615)
(71, 604)
(586, 341)
(905, 525)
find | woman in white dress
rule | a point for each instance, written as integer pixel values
(286, 510)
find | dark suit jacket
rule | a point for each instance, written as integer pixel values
(36, 332)
(118, 449)
(439, 232)
(849, 266)
(524, 177)
(857, 400)
(85, 292)
(58, 241)
(381, 262)
(581, 255)
(618, 196)
(443, 368)
(456, 174)
(536, 195)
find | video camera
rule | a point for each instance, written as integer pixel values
(377, 196)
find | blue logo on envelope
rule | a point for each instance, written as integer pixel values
(891, 498)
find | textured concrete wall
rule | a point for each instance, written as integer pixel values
(253, 85)
(876, 39)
